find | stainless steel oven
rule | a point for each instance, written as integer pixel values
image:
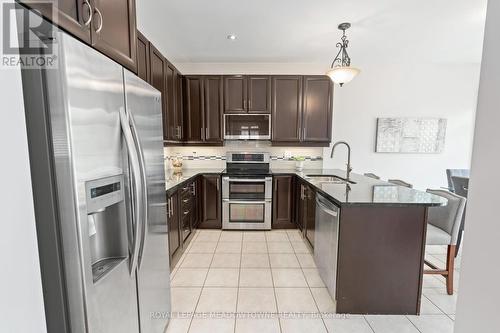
(246, 202)
(247, 192)
(247, 127)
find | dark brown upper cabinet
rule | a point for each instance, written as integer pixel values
(157, 74)
(173, 131)
(259, 94)
(212, 117)
(286, 108)
(247, 94)
(114, 30)
(235, 90)
(107, 25)
(193, 109)
(302, 110)
(283, 202)
(74, 16)
(203, 109)
(142, 57)
(317, 109)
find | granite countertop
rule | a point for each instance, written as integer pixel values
(366, 190)
(363, 191)
(173, 179)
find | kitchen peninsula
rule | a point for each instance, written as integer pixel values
(381, 231)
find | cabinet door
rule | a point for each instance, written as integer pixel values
(114, 30)
(286, 108)
(174, 236)
(157, 78)
(211, 217)
(172, 129)
(193, 108)
(213, 108)
(259, 94)
(70, 15)
(283, 202)
(179, 119)
(300, 206)
(142, 57)
(235, 92)
(310, 215)
(317, 109)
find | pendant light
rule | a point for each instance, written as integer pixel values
(341, 71)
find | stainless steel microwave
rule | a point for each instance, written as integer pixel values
(247, 126)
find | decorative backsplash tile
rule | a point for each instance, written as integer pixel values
(215, 157)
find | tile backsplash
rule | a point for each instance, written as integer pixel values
(215, 157)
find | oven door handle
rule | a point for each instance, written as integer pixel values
(246, 202)
(241, 180)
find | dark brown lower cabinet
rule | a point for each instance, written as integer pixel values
(211, 199)
(306, 210)
(283, 202)
(310, 216)
(174, 235)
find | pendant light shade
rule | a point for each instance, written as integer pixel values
(341, 71)
(341, 75)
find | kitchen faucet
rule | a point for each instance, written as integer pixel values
(349, 169)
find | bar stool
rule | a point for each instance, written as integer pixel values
(443, 225)
(400, 183)
(461, 188)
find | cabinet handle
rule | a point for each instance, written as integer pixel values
(101, 21)
(217, 183)
(86, 3)
(249, 103)
(168, 208)
(186, 212)
(201, 135)
(206, 133)
(244, 104)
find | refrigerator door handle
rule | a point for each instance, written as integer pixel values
(135, 168)
(144, 200)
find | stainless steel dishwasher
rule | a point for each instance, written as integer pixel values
(326, 241)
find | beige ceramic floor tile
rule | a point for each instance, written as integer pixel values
(197, 260)
(252, 260)
(226, 260)
(273, 236)
(391, 324)
(432, 323)
(231, 236)
(256, 300)
(254, 236)
(203, 247)
(313, 278)
(217, 300)
(202, 325)
(300, 325)
(189, 277)
(288, 277)
(306, 260)
(279, 247)
(178, 325)
(283, 260)
(251, 325)
(254, 247)
(300, 247)
(295, 300)
(228, 247)
(222, 277)
(351, 324)
(185, 299)
(323, 300)
(256, 277)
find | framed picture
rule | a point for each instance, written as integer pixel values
(410, 135)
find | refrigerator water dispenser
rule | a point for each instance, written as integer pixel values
(107, 225)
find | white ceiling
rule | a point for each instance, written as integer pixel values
(301, 31)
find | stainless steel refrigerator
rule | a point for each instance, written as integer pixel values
(96, 155)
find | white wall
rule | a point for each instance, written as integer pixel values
(406, 90)
(477, 309)
(21, 301)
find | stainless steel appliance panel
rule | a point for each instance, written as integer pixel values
(85, 94)
(326, 242)
(247, 127)
(143, 104)
(246, 215)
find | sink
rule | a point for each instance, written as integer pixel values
(329, 179)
